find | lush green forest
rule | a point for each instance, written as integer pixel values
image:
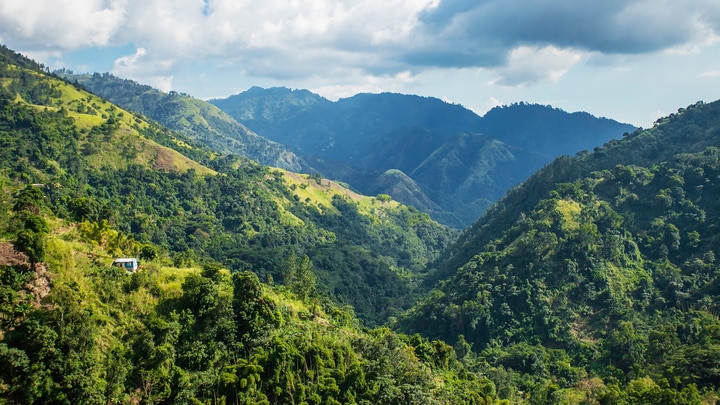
(195, 118)
(594, 282)
(109, 171)
(597, 278)
(83, 181)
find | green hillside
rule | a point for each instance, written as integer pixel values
(593, 282)
(83, 181)
(75, 330)
(197, 119)
(105, 168)
(596, 280)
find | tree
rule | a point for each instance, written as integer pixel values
(31, 227)
(253, 312)
(31, 199)
(305, 280)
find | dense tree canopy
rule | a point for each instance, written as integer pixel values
(112, 172)
(610, 275)
(593, 282)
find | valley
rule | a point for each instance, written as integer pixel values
(383, 248)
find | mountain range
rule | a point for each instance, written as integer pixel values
(441, 158)
(454, 163)
(593, 281)
(195, 118)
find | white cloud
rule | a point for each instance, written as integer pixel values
(130, 62)
(521, 41)
(338, 91)
(529, 65)
(63, 24)
(147, 72)
(361, 83)
(164, 83)
(492, 103)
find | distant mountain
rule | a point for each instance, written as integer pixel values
(199, 120)
(344, 130)
(460, 162)
(598, 274)
(260, 108)
(549, 131)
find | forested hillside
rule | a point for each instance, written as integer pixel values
(83, 181)
(596, 280)
(114, 172)
(454, 163)
(197, 119)
(593, 282)
(75, 330)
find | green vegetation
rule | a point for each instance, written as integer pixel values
(603, 287)
(131, 184)
(196, 119)
(163, 335)
(438, 157)
(83, 181)
(594, 282)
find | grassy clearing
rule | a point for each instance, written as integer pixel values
(570, 211)
(321, 194)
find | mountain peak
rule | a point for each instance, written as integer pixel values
(265, 92)
(357, 138)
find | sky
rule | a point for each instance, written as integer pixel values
(632, 60)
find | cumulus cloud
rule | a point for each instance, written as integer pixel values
(362, 83)
(522, 40)
(64, 24)
(633, 26)
(150, 72)
(527, 65)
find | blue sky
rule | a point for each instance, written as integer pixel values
(633, 60)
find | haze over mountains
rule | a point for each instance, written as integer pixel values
(441, 158)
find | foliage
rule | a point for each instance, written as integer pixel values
(594, 282)
(113, 186)
(135, 188)
(606, 275)
(197, 119)
(208, 336)
(454, 163)
(30, 227)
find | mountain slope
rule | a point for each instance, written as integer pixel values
(596, 267)
(92, 333)
(199, 120)
(108, 169)
(359, 138)
(108, 137)
(83, 181)
(643, 148)
(192, 335)
(549, 131)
